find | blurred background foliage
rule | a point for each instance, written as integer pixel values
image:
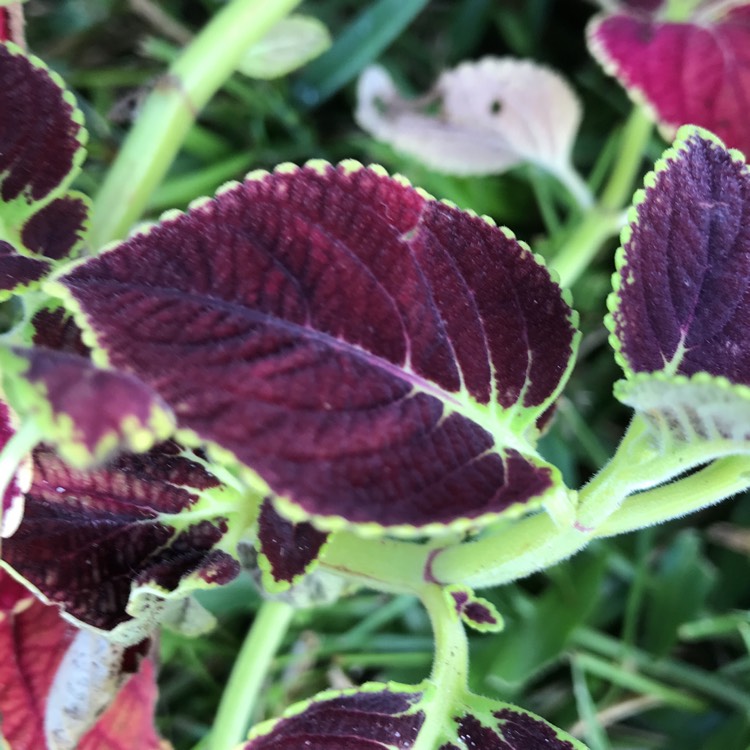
(639, 642)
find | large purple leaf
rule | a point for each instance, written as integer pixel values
(370, 353)
(691, 72)
(682, 290)
(92, 541)
(380, 717)
(88, 413)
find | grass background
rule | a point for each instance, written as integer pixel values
(638, 642)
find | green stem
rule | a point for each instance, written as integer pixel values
(384, 564)
(171, 108)
(450, 667)
(720, 480)
(604, 219)
(249, 673)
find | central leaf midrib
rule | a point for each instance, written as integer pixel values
(455, 402)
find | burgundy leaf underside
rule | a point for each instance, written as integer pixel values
(690, 73)
(685, 281)
(38, 136)
(380, 720)
(290, 548)
(311, 322)
(87, 537)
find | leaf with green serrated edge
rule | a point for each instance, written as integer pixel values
(395, 717)
(41, 150)
(11, 510)
(475, 611)
(374, 356)
(119, 548)
(681, 301)
(87, 413)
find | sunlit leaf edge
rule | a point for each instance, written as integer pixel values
(679, 145)
(517, 428)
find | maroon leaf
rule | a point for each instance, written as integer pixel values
(370, 353)
(40, 129)
(87, 412)
(695, 72)
(380, 717)
(682, 300)
(57, 229)
(88, 539)
(34, 643)
(288, 550)
(17, 271)
(54, 328)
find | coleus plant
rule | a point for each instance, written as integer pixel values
(331, 368)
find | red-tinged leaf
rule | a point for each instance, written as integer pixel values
(682, 291)
(696, 71)
(109, 545)
(287, 550)
(86, 412)
(128, 724)
(370, 353)
(392, 717)
(35, 643)
(12, 23)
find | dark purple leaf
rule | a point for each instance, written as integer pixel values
(682, 298)
(475, 611)
(368, 351)
(18, 272)
(288, 550)
(379, 717)
(87, 412)
(40, 128)
(54, 328)
(697, 72)
(88, 539)
(57, 229)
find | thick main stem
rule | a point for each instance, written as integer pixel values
(249, 673)
(171, 108)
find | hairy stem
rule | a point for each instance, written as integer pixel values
(722, 479)
(171, 108)
(249, 673)
(604, 220)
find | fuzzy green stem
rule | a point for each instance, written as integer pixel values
(171, 108)
(249, 673)
(384, 564)
(450, 667)
(604, 219)
(720, 480)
